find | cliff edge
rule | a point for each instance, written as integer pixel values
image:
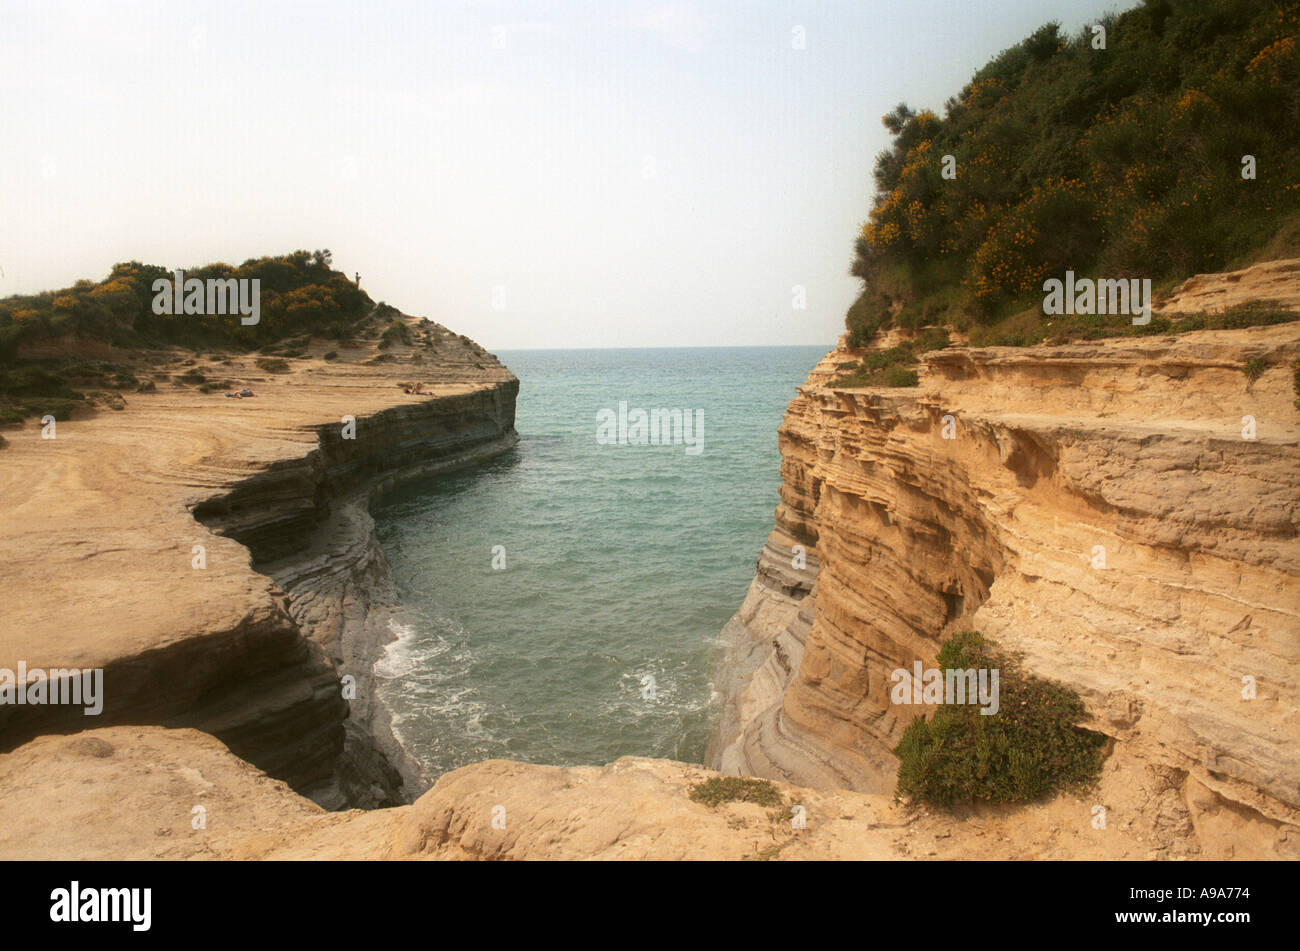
(214, 555)
(1121, 514)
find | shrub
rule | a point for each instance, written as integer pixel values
(273, 364)
(397, 332)
(1254, 368)
(1030, 748)
(869, 313)
(894, 376)
(300, 296)
(60, 409)
(1119, 164)
(332, 355)
(720, 789)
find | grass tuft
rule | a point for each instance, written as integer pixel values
(720, 789)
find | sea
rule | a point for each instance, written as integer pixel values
(561, 603)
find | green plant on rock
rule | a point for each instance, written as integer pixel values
(720, 789)
(1031, 747)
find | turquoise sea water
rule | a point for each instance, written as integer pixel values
(622, 562)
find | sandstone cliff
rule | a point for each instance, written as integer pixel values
(247, 635)
(1134, 447)
(1098, 511)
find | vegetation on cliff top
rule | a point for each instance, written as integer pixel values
(42, 335)
(1125, 161)
(1029, 748)
(890, 367)
(300, 294)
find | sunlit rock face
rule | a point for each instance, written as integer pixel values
(1122, 514)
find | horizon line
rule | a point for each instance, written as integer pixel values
(729, 346)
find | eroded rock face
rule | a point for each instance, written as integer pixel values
(215, 556)
(1275, 281)
(308, 527)
(1097, 511)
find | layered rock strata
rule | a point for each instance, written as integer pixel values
(215, 557)
(1121, 514)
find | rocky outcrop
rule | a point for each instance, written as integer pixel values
(83, 796)
(1121, 514)
(308, 527)
(1277, 282)
(215, 557)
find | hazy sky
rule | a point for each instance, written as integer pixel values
(554, 173)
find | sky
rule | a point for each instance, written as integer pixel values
(543, 174)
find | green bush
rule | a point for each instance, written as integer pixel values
(868, 314)
(397, 332)
(300, 296)
(892, 377)
(1030, 748)
(1123, 162)
(720, 789)
(890, 367)
(60, 409)
(273, 364)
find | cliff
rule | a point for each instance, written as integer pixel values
(215, 557)
(1097, 511)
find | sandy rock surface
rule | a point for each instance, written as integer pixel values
(1123, 514)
